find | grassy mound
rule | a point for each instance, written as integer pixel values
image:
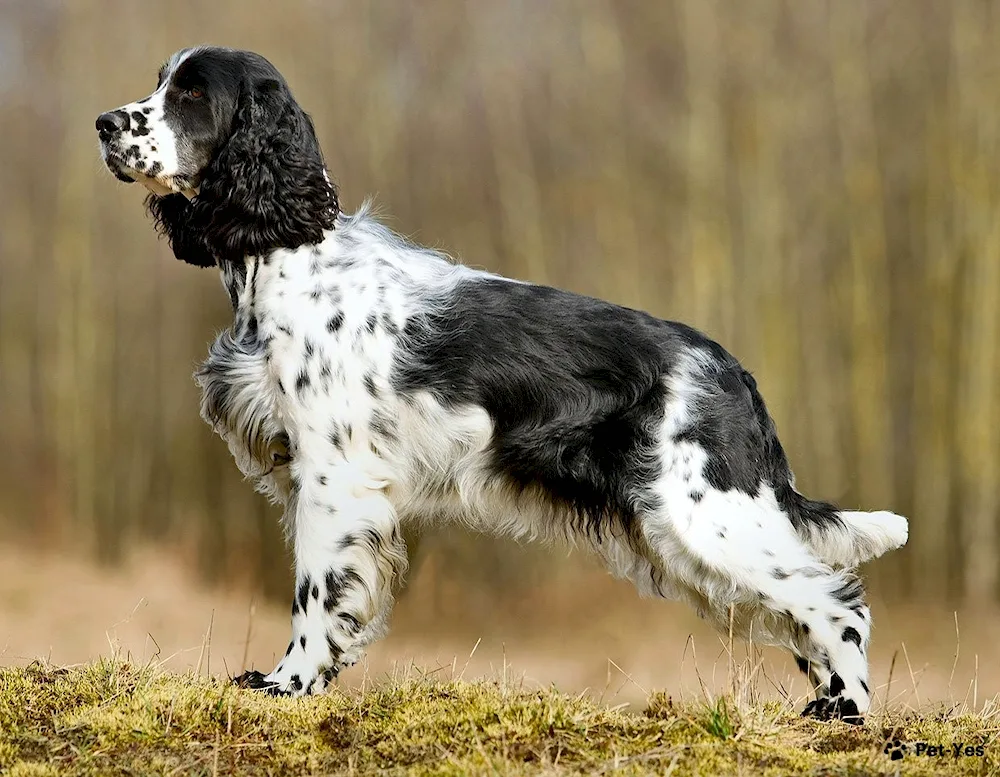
(112, 718)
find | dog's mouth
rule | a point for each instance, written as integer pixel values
(117, 165)
(135, 170)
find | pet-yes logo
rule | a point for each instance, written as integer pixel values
(897, 750)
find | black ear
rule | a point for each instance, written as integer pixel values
(175, 217)
(267, 187)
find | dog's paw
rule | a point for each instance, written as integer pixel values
(835, 708)
(258, 681)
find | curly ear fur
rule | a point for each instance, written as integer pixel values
(265, 188)
(173, 216)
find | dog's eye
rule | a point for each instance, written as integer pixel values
(195, 92)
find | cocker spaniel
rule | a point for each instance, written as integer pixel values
(366, 381)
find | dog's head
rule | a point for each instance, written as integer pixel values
(231, 160)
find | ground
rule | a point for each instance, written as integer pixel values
(111, 717)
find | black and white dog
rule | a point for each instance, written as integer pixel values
(366, 381)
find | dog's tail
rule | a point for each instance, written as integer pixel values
(846, 538)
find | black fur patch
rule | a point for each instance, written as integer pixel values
(574, 387)
(337, 583)
(335, 322)
(851, 635)
(302, 641)
(802, 664)
(837, 685)
(303, 596)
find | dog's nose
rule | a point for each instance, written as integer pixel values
(111, 122)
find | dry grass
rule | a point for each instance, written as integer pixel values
(113, 717)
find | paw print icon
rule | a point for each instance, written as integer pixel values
(895, 749)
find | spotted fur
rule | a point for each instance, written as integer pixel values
(367, 382)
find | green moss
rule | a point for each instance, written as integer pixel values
(112, 718)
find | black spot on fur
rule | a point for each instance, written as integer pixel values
(302, 641)
(851, 594)
(369, 380)
(334, 648)
(315, 591)
(301, 382)
(371, 323)
(836, 685)
(335, 322)
(696, 496)
(141, 123)
(289, 650)
(721, 534)
(154, 170)
(335, 439)
(779, 574)
(337, 583)
(303, 596)
(310, 348)
(296, 683)
(851, 635)
(321, 480)
(849, 709)
(802, 664)
(864, 685)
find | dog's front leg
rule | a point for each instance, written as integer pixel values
(348, 552)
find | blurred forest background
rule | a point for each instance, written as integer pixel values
(814, 184)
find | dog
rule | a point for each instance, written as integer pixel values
(367, 381)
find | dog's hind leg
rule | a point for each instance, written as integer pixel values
(734, 549)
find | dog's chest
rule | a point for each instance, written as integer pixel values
(310, 347)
